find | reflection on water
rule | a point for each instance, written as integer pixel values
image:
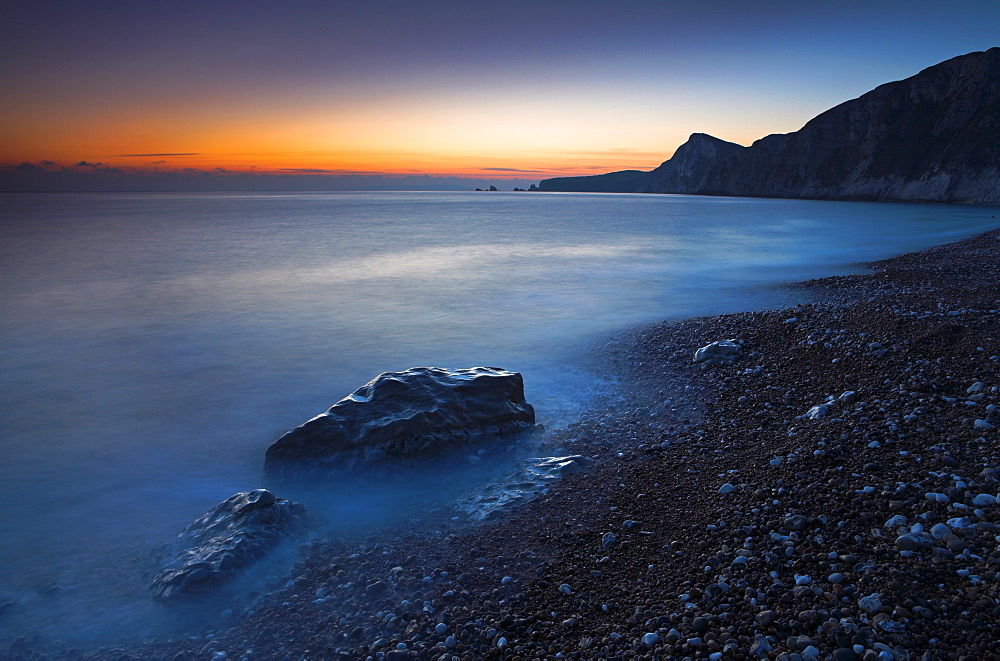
(152, 346)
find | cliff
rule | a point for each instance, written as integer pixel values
(624, 181)
(691, 165)
(933, 137)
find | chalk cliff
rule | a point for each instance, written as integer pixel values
(933, 137)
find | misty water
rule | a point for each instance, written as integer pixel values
(153, 345)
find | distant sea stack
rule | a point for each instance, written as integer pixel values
(933, 137)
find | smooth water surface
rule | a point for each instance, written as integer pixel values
(153, 345)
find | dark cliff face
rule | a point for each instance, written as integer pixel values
(624, 181)
(687, 171)
(932, 137)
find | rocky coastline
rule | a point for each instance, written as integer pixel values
(830, 494)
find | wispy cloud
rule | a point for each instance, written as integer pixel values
(180, 153)
(325, 171)
(511, 170)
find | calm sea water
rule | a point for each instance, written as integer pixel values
(153, 345)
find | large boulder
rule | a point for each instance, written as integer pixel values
(400, 417)
(233, 535)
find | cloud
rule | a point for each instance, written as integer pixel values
(511, 170)
(323, 171)
(109, 170)
(85, 164)
(180, 153)
(47, 162)
(28, 168)
(222, 170)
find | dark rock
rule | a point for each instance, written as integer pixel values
(700, 624)
(402, 416)
(766, 618)
(914, 541)
(232, 536)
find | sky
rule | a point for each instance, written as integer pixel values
(384, 91)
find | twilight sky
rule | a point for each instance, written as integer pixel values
(489, 90)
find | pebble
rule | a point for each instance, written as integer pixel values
(565, 589)
(870, 604)
(766, 618)
(650, 639)
(895, 521)
(939, 530)
(984, 500)
(727, 488)
(441, 628)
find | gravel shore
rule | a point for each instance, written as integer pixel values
(832, 494)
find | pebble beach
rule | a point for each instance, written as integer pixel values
(830, 494)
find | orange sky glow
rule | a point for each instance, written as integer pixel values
(532, 91)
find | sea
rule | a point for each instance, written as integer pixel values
(153, 345)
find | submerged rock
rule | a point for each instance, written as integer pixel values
(402, 416)
(523, 483)
(233, 535)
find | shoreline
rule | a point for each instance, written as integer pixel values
(671, 583)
